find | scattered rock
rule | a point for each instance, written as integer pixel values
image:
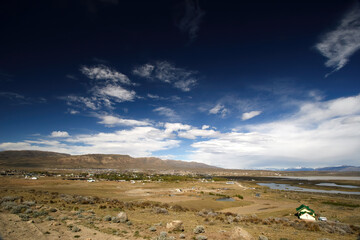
(162, 236)
(199, 229)
(182, 236)
(75, 229)
(239, 233)
(107, 218)
(262, 237)
(175, 225)
(122, 217)
(115, 219)
(152, 229)
(129, 223)
(201, 237)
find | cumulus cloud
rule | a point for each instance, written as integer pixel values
(340, 44)
(167, 112)
(319, 134)
(167, 72)
(219, 109)
(102, 72)
(249, 115)
(137, 142)
(59, 134)
(111, 121)
(191, 18)
(190, 132)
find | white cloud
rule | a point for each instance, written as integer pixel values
(117, 92)
(59, 134)
(165, 71)
(185, 85)
(219, 109)
(103, 93)
(137, 142)
(111, 121)
(73, 112)
(167, 112)
(338, 45)
(250, 115)
(144, 70)
(205, 127)
(153, 96)
(195, 132)
(320, 134)
(190, 132)
(174, 127)
(102, 72)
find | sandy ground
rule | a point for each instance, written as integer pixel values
(263, 205)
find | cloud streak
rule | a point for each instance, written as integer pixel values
(111, 121)
(340, 44)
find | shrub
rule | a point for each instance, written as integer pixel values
(199, 229)
(75, 229)
(9, 198)
(159, 210)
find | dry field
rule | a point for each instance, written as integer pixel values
(53, 208)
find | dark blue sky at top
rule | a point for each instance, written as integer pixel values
(260, 58)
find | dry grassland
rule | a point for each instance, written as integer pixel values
(52, 208)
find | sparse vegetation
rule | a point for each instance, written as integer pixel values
(341, 204)
(95, 208)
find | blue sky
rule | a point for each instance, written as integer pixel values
(235, 85)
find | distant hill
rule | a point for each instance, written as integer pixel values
(41, 159)
(330, 169)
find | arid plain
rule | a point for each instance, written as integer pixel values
(64, 205)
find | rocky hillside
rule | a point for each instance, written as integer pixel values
(40, 159)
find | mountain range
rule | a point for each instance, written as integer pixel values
(42, 159)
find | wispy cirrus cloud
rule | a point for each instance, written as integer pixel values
(102, 72)
(105, 89)
(144, 70)
(116, 92)
(340, 44)
(167, 72)
(190, 20)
